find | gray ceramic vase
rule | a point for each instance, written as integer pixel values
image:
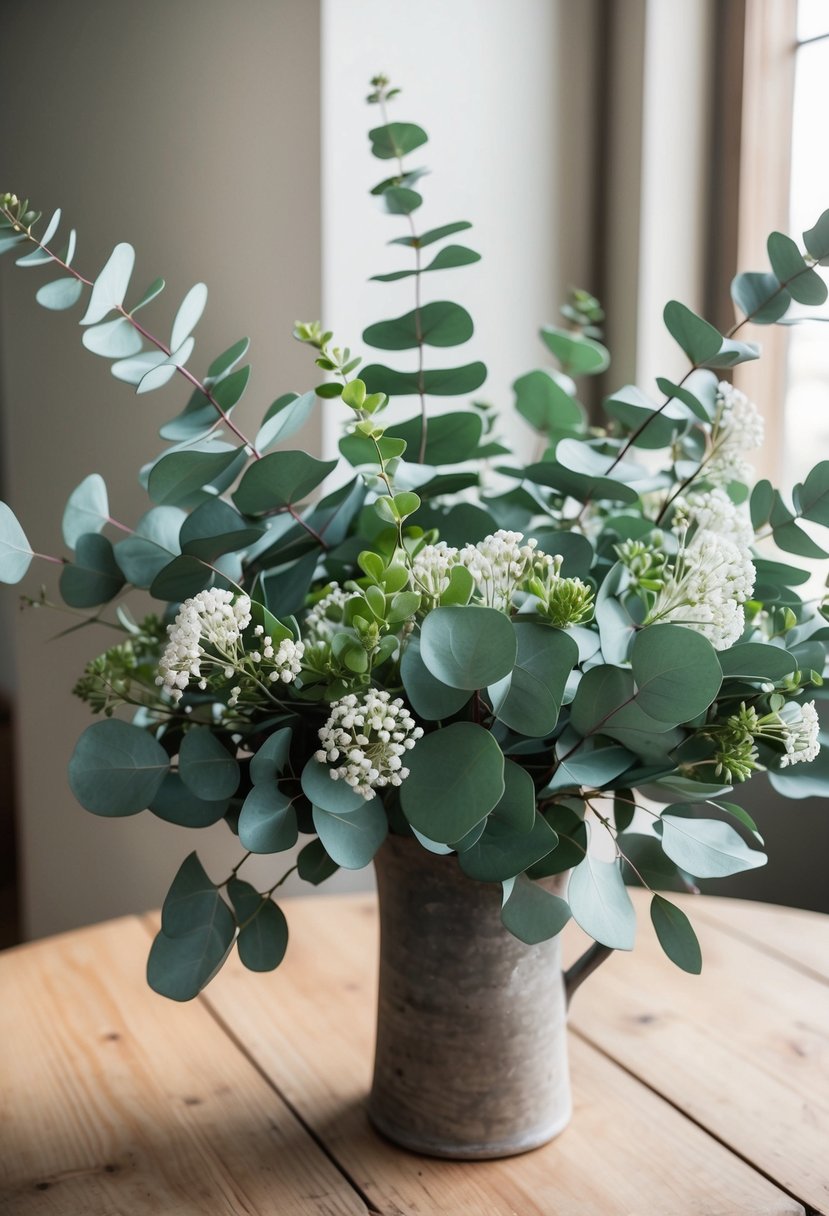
(471, 1055)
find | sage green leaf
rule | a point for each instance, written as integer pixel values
(191, 900)
(531, 913)
(816, 239)
(547, 406)
(528, 700)
(439, 323)
(429, 697)
(94, 577)
(116, 768)
(51, 228)
(156, 377)
(443, 382)
(566, 818)
(701, 404)
(805, 780)
(433, 234)
(175, 803)
(188, 315)
(676, 937)
(400, 200)
(456, 777)
(652, 866)
(178, 477)
(757, 661)
(155, 289)
(742, 816)
(87, 509)
(215, 528)
(116, 339)
(814, 495)
(263, 929)
(600, 903)
(205, 765)
(60, 293)
(141, 560)
(352, 840)
(179, 579)
(588, 762)
(227, 360)
(272, 758)
(286, 587)
(700, 341)
(267, 821)
(284, 418)
(280, 480)
(450, 439)
(789, 265)
(577, 355)
(134, 369)
(654, 425)
(396, 139)
(447, 259)
(507, 846)
(15, 551)
(606, 701)
(111, 285)
(677, 672)
(313, 863)
(761, 297)
(196, 936)
(200, 415)
(468, 648)
(323, 791)
(706, 848)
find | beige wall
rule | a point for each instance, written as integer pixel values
(190, 129)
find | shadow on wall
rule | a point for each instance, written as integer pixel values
(784, 824)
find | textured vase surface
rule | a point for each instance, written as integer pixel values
(471, 1056)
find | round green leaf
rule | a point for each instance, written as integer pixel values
(313, 863)
(456, 778)
(600, 903)
(507, 845)
(176, 804)
(87, 509)
(284, 418)
(15, 550)
(177, 478)
(263, 929)
(439, 323)
(396, 139)
(578, 356)
(60, 293)
(179, 967)
(470, 647)
(528, 700)
(787, 262)
(676, 937)
(271, 758)
(760, 296)
(546, 405)
(279, 480)
(677, 672)
(94, 577)
(116, 768)
(352, 840)
(428, 697)
(205, 765)
(706, 848)
(323, 791)
(531, 913)
(116, 339)
(757, 661)
(267, 821)
(435, 382)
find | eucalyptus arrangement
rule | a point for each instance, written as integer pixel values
(430, 637)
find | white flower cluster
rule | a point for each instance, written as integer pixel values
(713, 511)
(324, 618)
(710, 581)
(499, 563)
(368, 733)
(738, 428)
(211, 617)
(802, 728)
(431, 570)
(286, 659)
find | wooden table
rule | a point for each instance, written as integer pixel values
(704, 1095)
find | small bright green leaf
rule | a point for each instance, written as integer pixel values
(117, 768)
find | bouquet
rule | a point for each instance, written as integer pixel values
(510, 662)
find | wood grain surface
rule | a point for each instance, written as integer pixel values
(704, 1096)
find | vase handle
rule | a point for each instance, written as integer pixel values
(584, 966)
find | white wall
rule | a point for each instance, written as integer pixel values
(194, 131)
